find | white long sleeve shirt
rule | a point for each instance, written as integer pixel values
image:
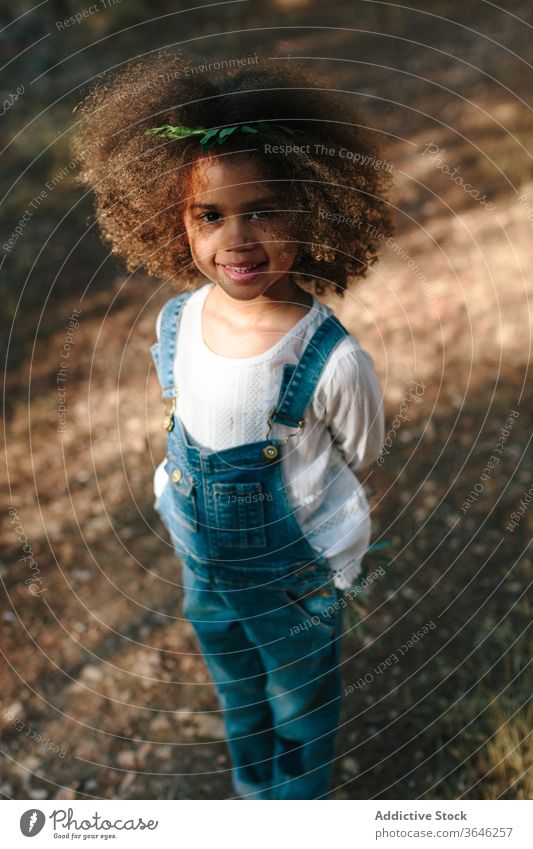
(224, 402)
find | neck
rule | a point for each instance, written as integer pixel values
(283, 295)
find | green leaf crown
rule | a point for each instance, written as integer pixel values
(217, 135)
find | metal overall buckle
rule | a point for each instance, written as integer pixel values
(169, 421)
(271, 451)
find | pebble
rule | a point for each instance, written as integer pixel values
(126, 759)
(25, 769)
(9, 714)
(81, 574)
(162, 730)
(184, 713)
(38, 794)
(67, 793)
(92, 673)
(163, 752)
(210, 726)
(350, 766)
(160, 723)
(127, 782)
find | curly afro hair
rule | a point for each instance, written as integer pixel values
(331, 177)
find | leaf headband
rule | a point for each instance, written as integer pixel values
(218, 135)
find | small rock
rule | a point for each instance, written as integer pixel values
(92, 673)
(142, 753)
(163, 752)
(14, 711)
(183, 715)
(24, 769)
(127, 782)
(31, 763)
(65, 793)
(350, 766)
(38, 794)
(96, 527)
(162, 729)
(81, 574)
(160, 723)
(188, 732)
(210, 726)
(126, 759)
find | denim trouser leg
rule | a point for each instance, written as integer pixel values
(304, 692)
(239, 677)
(306, 720)
(279, 685)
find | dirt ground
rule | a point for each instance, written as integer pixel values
(98, 661)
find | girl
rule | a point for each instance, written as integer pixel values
(242, 188)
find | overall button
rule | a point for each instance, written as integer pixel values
(183, 498)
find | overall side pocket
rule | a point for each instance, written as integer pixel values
(313, 599)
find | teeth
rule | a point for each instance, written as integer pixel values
(243, 269)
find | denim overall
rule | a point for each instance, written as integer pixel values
(260, 598)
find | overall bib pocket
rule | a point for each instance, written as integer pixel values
(239, 514)
(183, 495)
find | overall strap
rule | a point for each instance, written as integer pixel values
(299, 381)
(163, 352)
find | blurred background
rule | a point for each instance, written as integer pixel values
(103, 693)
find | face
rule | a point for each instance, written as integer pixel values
(234, 224)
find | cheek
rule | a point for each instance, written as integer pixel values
(199, 242)
(283, 249)
(285, 256)
(283, 236)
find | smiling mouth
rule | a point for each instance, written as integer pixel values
(243, 269)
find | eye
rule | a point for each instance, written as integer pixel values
(204, 217)
(262, 214)
(256, 215)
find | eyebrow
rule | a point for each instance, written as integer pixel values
(250, 205)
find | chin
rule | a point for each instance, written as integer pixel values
(244, 290)
(260, 284)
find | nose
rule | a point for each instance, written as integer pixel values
(238, 233)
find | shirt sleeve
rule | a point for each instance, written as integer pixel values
(351, 401)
